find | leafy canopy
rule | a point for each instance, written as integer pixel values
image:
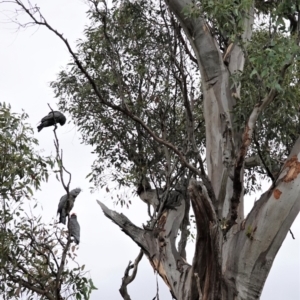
(136, 60)
(143, 66)
(21, 166)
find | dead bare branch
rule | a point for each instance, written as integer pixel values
(134, 232)
(127, 279)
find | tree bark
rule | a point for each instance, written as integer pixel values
(251, 252)
(127, 279)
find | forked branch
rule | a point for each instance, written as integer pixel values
(127, 279)
(59, 158)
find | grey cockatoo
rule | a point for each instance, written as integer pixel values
(49, 120)
(147, 194)
(63, 210)
(74, 228)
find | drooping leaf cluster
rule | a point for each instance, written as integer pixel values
(21, 166)
(283, 13)
(135, 52)
(226, 17)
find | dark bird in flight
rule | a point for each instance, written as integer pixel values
(64, 207)
(74, 228)
(51, 119)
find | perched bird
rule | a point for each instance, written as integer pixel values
(49, 120)
(147, 194)
(63, 207)
(74, 228)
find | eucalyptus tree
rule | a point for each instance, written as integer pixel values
(191, 104)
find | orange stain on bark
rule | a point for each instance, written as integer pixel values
(245, 142)
(294, 169)
(277, 193)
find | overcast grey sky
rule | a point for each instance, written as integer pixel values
(29, 60)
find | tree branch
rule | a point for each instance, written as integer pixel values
(158, 243)
(127, 279)
(246, 141)
(29, 286)
(269, 173)
(134, 232)
(61, 267)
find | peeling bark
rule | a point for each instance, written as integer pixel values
(252, 250)
(207, 261)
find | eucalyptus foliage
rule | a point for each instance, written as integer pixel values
(136, 51)
(278, 126)
(134, 57)
(21, 166)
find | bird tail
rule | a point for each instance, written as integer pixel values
(62, 219)
(40, 127)
(75, 239)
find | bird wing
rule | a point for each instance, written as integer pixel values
(62, 203)
(74, 228)
(57, 115)
(62, 216)
(63, 200)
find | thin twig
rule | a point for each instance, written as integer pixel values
(262, 159)
(59, 158)
(292, 234)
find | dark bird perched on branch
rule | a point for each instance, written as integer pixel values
(74, 228)
(51, 119)
(64, 206)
